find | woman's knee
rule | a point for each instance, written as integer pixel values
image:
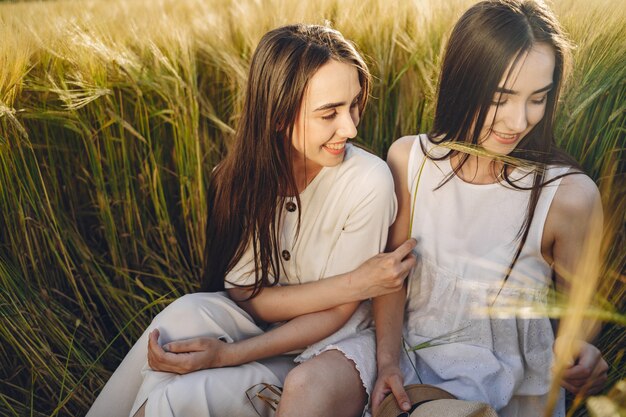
(191, 304)
(204, 314)
(191, 312)
(317, 374)
(298, 379)
(326, 385)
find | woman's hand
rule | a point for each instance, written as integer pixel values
(186, 356)
(589, 372)
(380, 275)
(390, 381)
(385, 272)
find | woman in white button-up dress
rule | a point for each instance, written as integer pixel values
(292, 203)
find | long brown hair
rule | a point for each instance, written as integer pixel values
(257, 174)
(485, 41)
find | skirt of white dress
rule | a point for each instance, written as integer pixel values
(222, 391)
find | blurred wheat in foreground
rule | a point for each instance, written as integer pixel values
(112, 113)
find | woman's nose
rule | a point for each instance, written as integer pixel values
(347, 129)
(516, 119)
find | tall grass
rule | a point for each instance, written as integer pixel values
(113, 113)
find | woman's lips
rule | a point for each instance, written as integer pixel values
(505, 138)
(336, 148)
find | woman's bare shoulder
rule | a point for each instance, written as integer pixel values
(575, 211)
(400, 149)
(576, 198)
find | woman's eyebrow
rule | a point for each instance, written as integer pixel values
(328, 106)
(513, 92)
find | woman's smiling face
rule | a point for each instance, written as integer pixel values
(327, 118)
(520, 101)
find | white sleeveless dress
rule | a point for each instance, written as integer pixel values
(467, 237)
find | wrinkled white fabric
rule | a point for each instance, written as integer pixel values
(208, 392)
(344, 212)
(467, 237)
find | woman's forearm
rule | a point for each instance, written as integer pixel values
(298, 333)
(189, 355)
(379, 275)
(281, 303)
(388, 316)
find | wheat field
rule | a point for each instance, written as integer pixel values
(112, 114)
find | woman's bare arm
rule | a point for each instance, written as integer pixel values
(571, 241)
(389, 309)
(190, 355)
(381, 274)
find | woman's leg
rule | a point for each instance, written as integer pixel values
(118, 395)
(200, 314)
(210, 392)
(218, 392)
(327, 385)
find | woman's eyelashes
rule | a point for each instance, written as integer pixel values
(499, 99)
(332, 115)
(503, 100)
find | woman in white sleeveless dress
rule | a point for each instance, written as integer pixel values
(292, 203)
(491, 231)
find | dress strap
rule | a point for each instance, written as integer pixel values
(416, 162)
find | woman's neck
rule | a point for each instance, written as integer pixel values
(478, 170)
(304, 172)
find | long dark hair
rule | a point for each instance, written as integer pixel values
(257, 174)
(485, 41)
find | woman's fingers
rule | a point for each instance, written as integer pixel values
(185, 356)
(153, 348)
(402, 398)
(160, 360)
(588, 374)
(184, 346)
(408, 262)
(403, 260)
(378, 395)
(400, 260)
(155, 352)
(404, 249)
(589, 382)
(391, 383)
(385, 272)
